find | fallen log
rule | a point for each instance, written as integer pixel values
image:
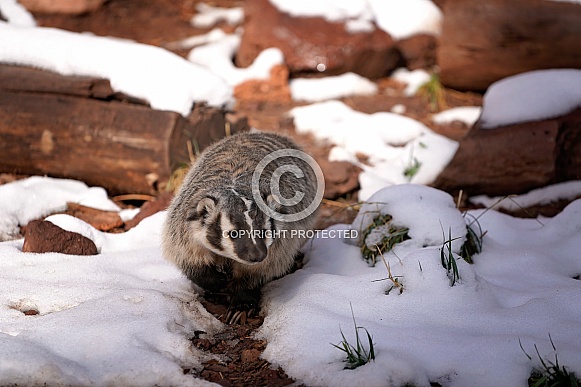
(73, 127)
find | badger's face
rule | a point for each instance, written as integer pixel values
(231, 225)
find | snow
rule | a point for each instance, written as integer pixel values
(462, 335)
(567, 190)
(466, 114)
(355, 13)
(217, 56)
(332, 87)
(404, 18)
(208, 15)
(398, 108)
(413, 79)
(393, 143)
(531, 96)
(210, 37)
(399, 18)
(16, 14)
(165, 80)
(123, 317)
(35, 197)
(102, 318)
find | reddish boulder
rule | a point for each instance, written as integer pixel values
(517, 158)
(484, 41)
(418, 51)
(341, 177)
(45, 237)
(313, 44)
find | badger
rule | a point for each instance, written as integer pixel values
(241, 215)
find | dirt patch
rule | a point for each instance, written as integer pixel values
(240, 363)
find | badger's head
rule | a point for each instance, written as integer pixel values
(231, 225)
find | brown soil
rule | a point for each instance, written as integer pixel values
(161, 22)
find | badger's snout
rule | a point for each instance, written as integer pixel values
(257, 253)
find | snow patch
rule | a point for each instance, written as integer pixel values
(531, 96)
(413, 79)
(400, 149)
(466, 114)
(332, 87)
(165, 80)
(217, 58)
(208, 15)
(16, 14)
(568, 190)
(35, 197)
(399, 18)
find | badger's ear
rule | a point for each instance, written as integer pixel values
(203, 209)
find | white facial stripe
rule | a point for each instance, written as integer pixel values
(268, 240)
(227, 243)
(247, 215)
(249, 219)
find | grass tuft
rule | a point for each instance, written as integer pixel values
(550, 374)
(412, 169)
(434, 93)
(356, 355)
(391, 235)
(473, 243)
(395, 282)
(177, 178)
(447, 258)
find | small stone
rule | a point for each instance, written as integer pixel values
(250, 355)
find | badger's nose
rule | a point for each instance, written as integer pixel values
(258, 253)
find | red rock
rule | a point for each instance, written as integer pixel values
(70, 7)
(517, 158)
(150, 208)
(308, 42)
(418, 51)
(341, 177)
(484, 41)
(275, 89)
(45, 237)
(101, 220)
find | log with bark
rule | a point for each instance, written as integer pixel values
(78, 127)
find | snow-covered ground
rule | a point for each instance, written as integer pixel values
(125, 316)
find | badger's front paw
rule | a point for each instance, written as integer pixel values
(244, 303)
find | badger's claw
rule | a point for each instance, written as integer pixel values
(243, 304)
(237, 316)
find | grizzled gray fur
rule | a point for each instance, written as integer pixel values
(216, 233)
